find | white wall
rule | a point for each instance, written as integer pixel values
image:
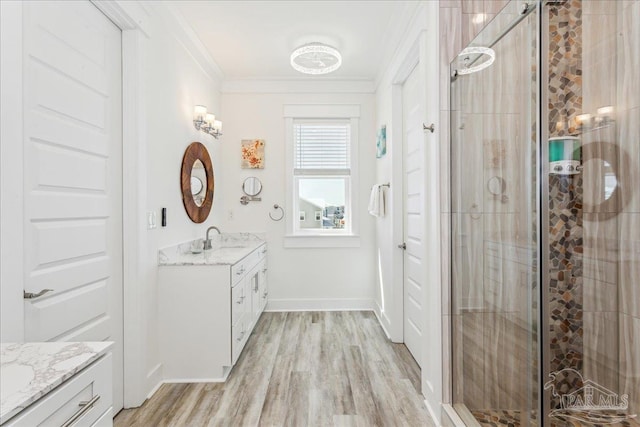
(174, 81)
(331, 278)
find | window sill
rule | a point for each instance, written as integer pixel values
(322, 241)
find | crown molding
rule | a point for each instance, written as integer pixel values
(188, 38)
(403, 32)
(297, 86)
(127, 15)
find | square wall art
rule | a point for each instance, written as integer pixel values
(381, 144)
(252, 154)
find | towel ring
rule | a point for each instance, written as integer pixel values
(276, 206)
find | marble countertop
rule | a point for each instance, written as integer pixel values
(227, 249)
(28, 371)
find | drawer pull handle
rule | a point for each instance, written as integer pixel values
(239, 272)
(265, 294)
(31, 295)
(84, 408)
(240, 337)
(264, 270)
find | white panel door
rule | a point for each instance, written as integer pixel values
(413, 135)
(73, 176)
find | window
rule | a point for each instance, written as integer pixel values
(322, 172)
(322, 165)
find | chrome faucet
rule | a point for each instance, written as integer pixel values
(207, 240)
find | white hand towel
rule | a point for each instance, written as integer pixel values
(376, 201)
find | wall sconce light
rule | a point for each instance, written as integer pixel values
(206, 122)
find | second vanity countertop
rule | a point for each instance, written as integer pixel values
(227, 249)
(28, 371)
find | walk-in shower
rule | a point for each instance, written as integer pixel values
(545, 222)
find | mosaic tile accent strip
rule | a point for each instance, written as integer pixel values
(565, 66)
(565, 199)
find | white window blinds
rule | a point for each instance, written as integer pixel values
(322, 146)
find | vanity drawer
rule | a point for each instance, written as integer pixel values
(237, 271)
(239, 338)
(262, 252)
(68, 402)
(238, 301)
(242, 267)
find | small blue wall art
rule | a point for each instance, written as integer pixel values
(382, 142)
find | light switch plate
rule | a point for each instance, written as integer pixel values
(151, 220)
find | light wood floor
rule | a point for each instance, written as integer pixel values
(301, 369)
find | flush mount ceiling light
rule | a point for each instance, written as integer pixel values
(316, 58)
(476, 50)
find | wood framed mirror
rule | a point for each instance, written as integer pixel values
(197, 167)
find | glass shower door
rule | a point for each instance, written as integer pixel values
(494, 222)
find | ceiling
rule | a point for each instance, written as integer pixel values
(253, 39)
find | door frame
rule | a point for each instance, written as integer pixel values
(130, 18)
(408, 64)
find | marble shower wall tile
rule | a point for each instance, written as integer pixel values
(492, 7)
(450, 3)
(467, 163)
(472, 6)
(628, 125)
(457, 362)
(597, 7)
(502, 157)
(628, 56)
(601, 348)
(600, 263)
(629, 224)
(506, 359)
(599, 39)
(473, 360)
(630, 361)
(467, 277)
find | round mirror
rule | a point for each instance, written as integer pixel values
(604, 189)
(198, 177)
(252, 186)
(197, 182)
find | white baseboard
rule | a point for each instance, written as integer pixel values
(434, 417)
(320, 304)
(193, 380)
(452, 416)
(380, 316)
(154, 379)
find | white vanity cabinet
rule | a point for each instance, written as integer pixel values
(207, 311)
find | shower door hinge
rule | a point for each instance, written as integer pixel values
(403, 246)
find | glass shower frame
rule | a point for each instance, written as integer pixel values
(518, 326)
(603, 195)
